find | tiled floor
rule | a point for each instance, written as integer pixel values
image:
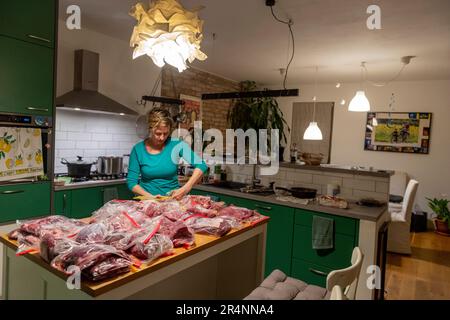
(425, 275)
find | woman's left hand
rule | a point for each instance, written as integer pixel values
(181, 192)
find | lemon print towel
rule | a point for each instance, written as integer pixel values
(20, 153)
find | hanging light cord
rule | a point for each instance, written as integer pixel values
(289, 24)
(315, 95)
(366, 73)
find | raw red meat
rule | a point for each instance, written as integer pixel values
(210, 226)
(86, 256)
(178, 232)
(154, 248)
(93, 233)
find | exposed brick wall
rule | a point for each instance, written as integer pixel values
(195, 82)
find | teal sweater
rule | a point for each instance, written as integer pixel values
(157, 173)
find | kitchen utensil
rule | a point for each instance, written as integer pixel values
(302, 193)
(332, 189)
(110, 165)
(79, 168)
(142, 127)
(117, 165)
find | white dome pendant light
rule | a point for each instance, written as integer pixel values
(313, 131)
(360, 103)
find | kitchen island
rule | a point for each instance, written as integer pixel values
(229, 267)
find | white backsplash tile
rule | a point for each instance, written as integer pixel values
(92, 135)
(352, 186)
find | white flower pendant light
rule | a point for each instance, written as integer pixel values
(313, 131)
(167, 33)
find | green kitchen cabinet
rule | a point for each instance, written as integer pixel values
(124, 193)
(23, 201)
(86, 201)
(312, 265)
(63, 203)
(279, 233)
(29, 20)
(81, 203)
(26, 77)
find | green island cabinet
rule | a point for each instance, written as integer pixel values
(80, 203)
(24, 201)
(289, 240)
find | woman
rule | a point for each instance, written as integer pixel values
(153, 165)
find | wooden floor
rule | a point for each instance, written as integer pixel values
(425, 275)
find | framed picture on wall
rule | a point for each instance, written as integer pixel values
(407, 132)
(191, 111)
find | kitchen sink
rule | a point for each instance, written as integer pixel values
(231, 185)
(243, 187)
(258, 190)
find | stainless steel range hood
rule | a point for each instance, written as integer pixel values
(85, 93)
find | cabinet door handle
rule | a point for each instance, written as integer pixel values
(38, 38)
(37, 109)
(64, 202)
(12, 191)
(263, 207)
(318, 272)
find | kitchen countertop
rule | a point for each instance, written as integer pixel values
(89, 184)
(341, 169)
(354, 210)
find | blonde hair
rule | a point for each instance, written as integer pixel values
(159, 116)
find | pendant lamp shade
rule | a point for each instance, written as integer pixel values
(313, 132)
(359, 103)
(167, 33)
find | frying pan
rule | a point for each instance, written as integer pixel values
(302, 193)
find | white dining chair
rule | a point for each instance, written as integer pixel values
(400, 221)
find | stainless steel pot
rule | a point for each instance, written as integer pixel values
(79, 168)
(110, 165)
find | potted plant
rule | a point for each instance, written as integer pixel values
(257, 113)
(442, 221)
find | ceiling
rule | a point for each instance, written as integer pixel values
(330, 34)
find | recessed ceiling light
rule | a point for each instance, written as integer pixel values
(77, 109)
(342, 102)
(338, 85)
(122, 114)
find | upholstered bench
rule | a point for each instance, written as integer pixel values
(341, 284)
(278, 286)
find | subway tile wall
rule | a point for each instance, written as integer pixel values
(352, 186)
(91, 135)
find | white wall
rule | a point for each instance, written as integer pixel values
(121, 78)
(432, 170)
(90, 135)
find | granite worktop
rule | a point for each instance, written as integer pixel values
(353, 211)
